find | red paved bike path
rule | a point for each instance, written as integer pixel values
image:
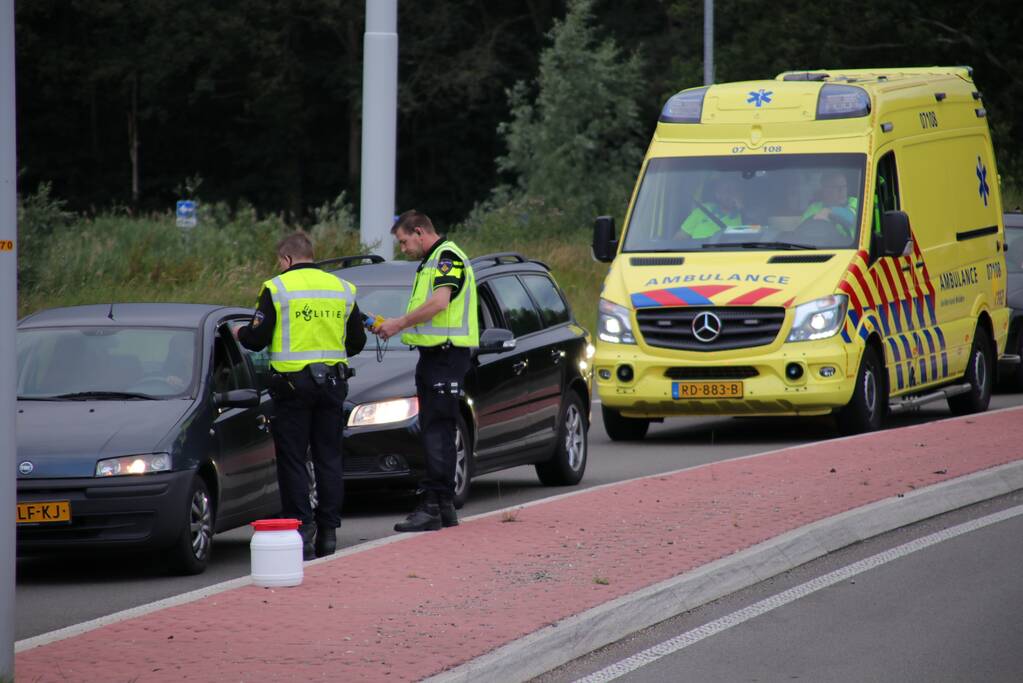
(413, 608)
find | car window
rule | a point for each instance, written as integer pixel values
(259, 361)
(553, 310)
(516, 306)
(229, 371)
(158, 362)
(383, 301)
(487, 309)
(1014, 249)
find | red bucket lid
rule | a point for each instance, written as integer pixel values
(276, 524)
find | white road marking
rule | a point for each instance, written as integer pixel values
(694, 636)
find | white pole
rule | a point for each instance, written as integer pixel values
(379, 125)
(8, 322)
(708, 42)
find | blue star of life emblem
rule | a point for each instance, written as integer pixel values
(983, 190)
(759, 97)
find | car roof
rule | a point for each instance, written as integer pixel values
(394, 273)
(119, 314)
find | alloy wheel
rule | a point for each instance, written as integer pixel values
(200, 523)
(461, 465)
(575, 442)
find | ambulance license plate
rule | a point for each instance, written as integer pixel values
(680, 390)
(44, 511)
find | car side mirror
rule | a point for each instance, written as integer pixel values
(496, 340)
(237, 398)
(604, 243)
(895, 234)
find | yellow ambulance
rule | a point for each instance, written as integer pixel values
(825, 242)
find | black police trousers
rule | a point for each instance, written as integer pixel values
(440, 373)
(307, 418)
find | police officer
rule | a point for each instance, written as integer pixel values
(312, 325)
(442, 323)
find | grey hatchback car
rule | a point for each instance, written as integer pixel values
(140, 426)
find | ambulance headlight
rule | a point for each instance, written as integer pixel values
(614, 323)
(819, 319)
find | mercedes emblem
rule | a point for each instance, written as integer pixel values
(706, 327)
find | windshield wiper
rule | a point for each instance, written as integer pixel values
(758, 245)
(102, 394)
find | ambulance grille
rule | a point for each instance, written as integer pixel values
(800, 258)
(657, 261)
(741, 327)
(719, 372)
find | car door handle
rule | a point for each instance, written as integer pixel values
(262, 423)
(557, 355)
(520, 367)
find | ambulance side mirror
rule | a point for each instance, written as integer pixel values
(895, 235)
(604, 243)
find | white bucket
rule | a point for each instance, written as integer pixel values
(276, 548)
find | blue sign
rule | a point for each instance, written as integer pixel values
(186, 214)
(983, 190)
(759, 97)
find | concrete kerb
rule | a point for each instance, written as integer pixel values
(562, 642)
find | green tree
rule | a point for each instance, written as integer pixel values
(577, 144)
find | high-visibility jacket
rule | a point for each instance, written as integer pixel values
(458, 323)
(842, 216)
(312, 309)
(699, 224)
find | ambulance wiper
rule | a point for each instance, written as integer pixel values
(757, 245)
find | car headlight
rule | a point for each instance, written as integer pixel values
(133, 464)
(614, 323)
(383, 412)
(819, 319)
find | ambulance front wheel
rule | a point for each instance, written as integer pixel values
(979, 373)
(621, 428)
(864, 411)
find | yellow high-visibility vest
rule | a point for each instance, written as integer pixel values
(312, 310)
(458, 322)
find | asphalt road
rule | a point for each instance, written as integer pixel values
(54, 592)
(935, 601)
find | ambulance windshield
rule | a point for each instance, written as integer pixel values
(793, 201)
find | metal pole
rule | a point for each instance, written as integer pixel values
(708, 42)
(8, 321)
(379, 125)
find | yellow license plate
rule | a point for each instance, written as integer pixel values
(682, 390)
(44, 511)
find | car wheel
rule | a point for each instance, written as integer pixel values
(191, 552)
(621, 428)
(865, 409)
(979, 374)
(463, 462)
(568, 463)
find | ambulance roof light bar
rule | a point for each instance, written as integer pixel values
(842, 102)
(684, 107)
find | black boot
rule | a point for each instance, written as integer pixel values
(426, 516)
(308, 533)
(448, 515)
(326, 540)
